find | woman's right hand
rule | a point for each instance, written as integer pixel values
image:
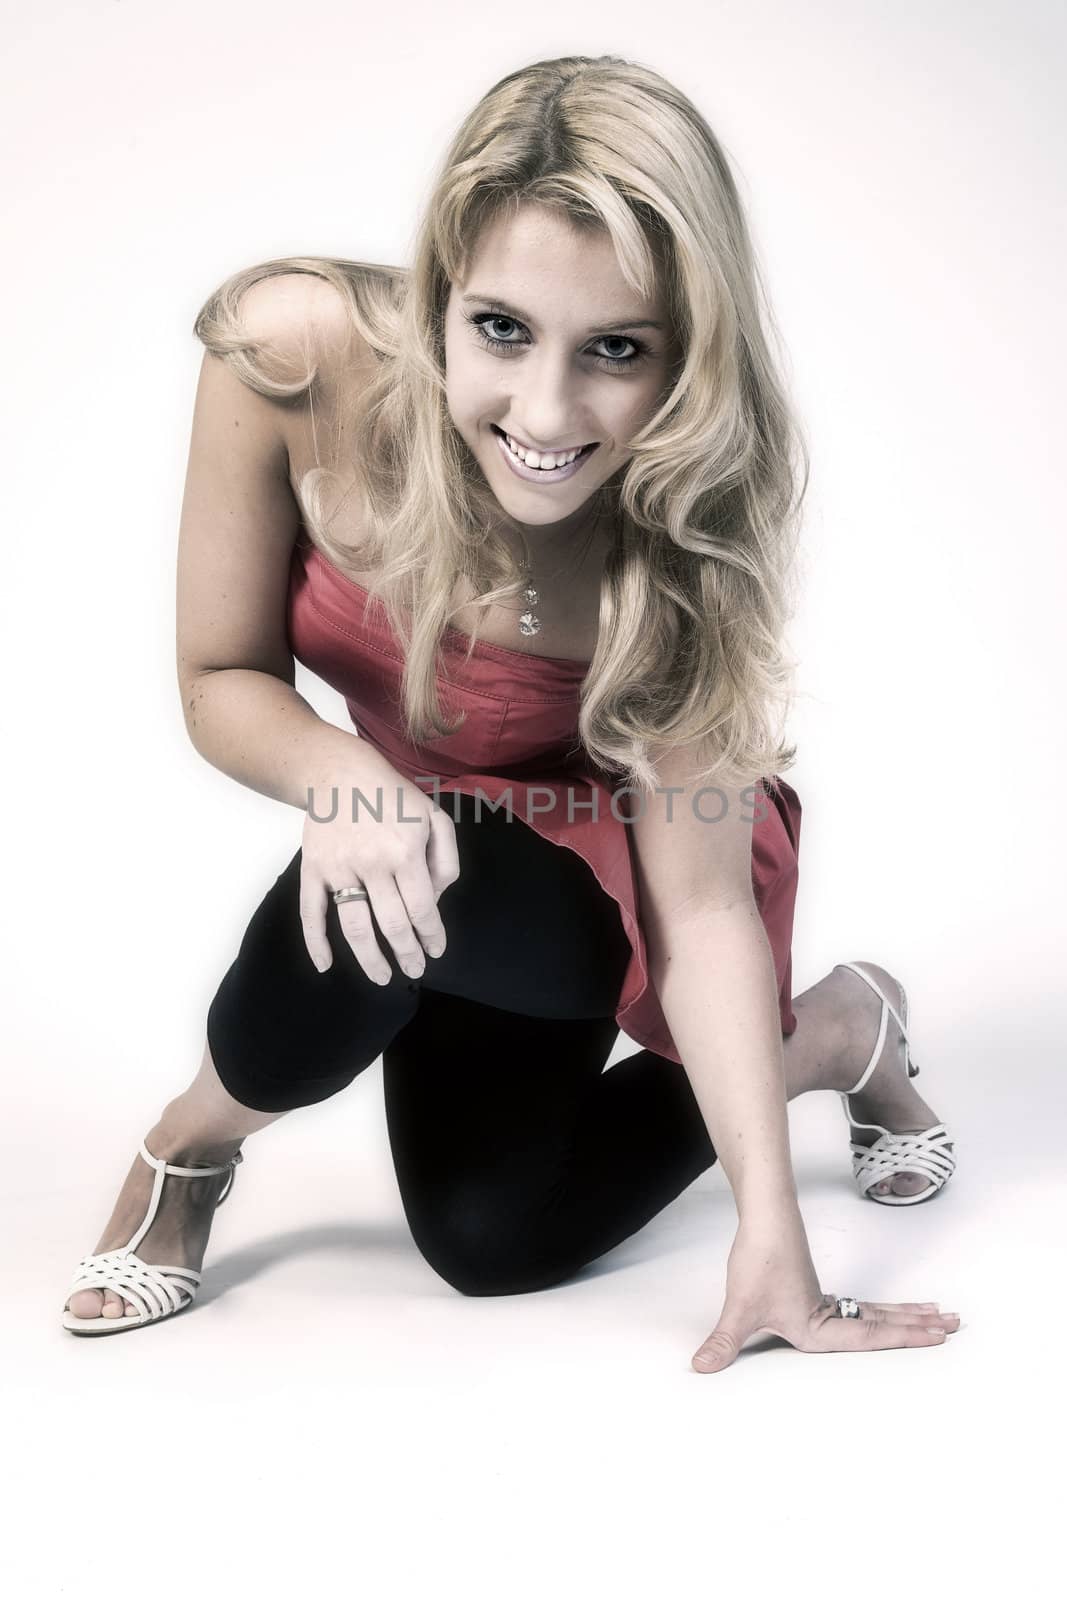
(405, 862)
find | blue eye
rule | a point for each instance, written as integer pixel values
(505, 347)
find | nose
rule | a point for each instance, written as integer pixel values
(546, 405)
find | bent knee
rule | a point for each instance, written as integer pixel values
(470, 1242)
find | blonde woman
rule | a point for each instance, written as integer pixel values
(531, 506)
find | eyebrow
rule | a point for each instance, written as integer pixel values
(496, 304)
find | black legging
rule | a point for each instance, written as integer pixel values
(519, 1159)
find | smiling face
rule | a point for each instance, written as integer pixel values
(546, 341)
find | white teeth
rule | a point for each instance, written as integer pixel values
(532, 459)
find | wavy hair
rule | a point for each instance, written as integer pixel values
(700, 578)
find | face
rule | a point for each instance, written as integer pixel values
(573, 361)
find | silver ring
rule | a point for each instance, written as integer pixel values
(341, 895)
(846, 1306)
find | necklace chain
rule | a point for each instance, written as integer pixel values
(528, 623)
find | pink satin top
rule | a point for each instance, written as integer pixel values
(521, 735)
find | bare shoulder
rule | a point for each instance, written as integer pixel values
(272, 345)
(302, 326)
(307, 335)
(301, 348)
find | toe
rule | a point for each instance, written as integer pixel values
(881, 1188)
(113, 1305)
(910, 1183)
(86, 1303)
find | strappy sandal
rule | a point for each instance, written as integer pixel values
(156, 1291)
(926, 1152)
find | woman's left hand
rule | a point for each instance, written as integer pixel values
(772, 1287)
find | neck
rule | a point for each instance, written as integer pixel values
(564, 545)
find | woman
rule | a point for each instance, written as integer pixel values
(562, 425)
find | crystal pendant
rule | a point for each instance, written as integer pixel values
(528, 623)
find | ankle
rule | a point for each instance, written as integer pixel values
(176, 1138)
(843, 1066)
(859, 1017)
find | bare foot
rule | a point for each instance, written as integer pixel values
(889, 1097)
(179, 1233)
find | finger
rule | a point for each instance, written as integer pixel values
(391, 915)
(872, 1333)
(902, 1305)
(905, 1311)
(357, 929)
(877, 1311)
(442, 851)
(417, 892)
(313, 902)
(892, 1311)
(721, 1348)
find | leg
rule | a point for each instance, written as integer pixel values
(837, 1028)
(280, 1035)
(202, 1124)
(519, 1159)
(284, 1035)
(817, 1053)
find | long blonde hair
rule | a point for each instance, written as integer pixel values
(699, 581)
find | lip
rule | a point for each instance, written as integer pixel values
(537, 474)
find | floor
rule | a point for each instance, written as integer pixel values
(330, 1412)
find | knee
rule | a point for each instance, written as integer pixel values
(282, 1039)
(481, 1247)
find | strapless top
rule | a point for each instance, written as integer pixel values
(519, 745)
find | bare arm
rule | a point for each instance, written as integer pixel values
(716, 983)
(239, 522)
(261, 732)
(712, 968)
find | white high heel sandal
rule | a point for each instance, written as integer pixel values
(924, 1152)
(157, 1291)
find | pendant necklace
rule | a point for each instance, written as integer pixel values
(528, 623)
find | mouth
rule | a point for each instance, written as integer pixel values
(541, 474)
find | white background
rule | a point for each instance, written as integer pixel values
(332, 1413)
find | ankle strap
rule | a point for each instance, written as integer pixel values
(203, 1171)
